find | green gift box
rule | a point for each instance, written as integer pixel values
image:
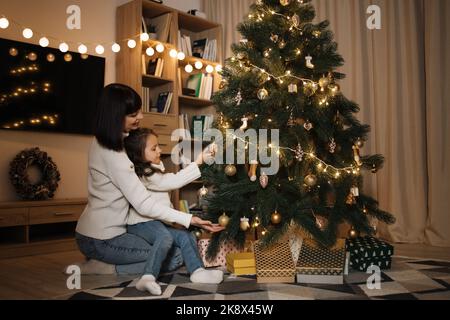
(367, 251)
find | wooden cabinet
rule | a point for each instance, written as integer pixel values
(129, 70)
(37, 227)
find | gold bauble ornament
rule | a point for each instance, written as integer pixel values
(198, 234)
(13, 52)
(285, 2)
(263, 94)
(245, 225)
(230, 170)
(334, 89)
(282, 44)
(223, 220)
(324, 82)
(275, 218)
(310, 180)
(359, 143)
(353, 234)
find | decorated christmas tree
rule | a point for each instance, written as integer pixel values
(282, 76)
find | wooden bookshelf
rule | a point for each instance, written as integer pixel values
(129, 68)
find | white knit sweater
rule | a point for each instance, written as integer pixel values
(112, 187)
(160, 184)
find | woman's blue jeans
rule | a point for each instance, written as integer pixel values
(164, 239)
(130, 253)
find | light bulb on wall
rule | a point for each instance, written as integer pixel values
(181, 56)
(44, 42)
(27, 33)
(160, 48)
(198, 65)
(115, 47)
(150, 51)
(173, 53)
(4, 23)
(131, 44)
(99, 49)
(188, 68)
(82, 49)
(63, 47)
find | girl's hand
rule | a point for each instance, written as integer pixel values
(207, 155)
(206, 225)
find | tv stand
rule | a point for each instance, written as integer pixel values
(38, 227)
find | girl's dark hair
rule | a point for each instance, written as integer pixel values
(135, 145)
(116, 102)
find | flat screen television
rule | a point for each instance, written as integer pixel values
(43, 89)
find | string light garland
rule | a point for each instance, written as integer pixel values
(99, 48)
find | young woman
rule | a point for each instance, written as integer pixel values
(143, 150)
(113, 187)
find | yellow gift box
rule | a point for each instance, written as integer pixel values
(241, 263)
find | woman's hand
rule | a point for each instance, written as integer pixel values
(206, 225)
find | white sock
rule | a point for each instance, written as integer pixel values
(202, 275)
(148, 283)
(93, 266)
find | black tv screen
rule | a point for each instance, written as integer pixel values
(43, 89)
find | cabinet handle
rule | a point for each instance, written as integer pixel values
(2, 218)
(160, 125)
(60, 214)
(162, 145)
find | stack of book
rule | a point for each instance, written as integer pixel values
(159, 25)
(202, 84)
(184, 44)
(155, 66)
(146, 99)
(205, 49)
(164, 102)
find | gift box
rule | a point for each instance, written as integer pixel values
(274, 264)
(226, 248)
(241, 263)
(318, 264)
(367, 251)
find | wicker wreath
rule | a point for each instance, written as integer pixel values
(18, 173)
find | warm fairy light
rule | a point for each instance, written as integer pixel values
(64, 47)
(131, 44)
(188, 68)
(82, 49)
(173, 53)
(209, 69)
(160, 48)
(150, 51)
(181, 55)
(43, 42)
(4, 23)
(198, 65)
(337, 175)
(99, 49)
(27, 33)
(145, 37)
(115, 47)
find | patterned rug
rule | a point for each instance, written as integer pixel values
(408, 279)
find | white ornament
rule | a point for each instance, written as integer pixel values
(238, 98)
(299, 153)
(292, 88)
(309, 62)
(355, 191)
(332, 146)
(244, 124)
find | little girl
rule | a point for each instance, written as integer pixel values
(143, 150)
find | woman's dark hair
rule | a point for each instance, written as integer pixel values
(116, 102)
(135, 145)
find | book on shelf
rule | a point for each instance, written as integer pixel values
(205, 49)
(160, 25)
(202, 84)
(155, 67)
(164, 102)
(184, 44)
(317, 264)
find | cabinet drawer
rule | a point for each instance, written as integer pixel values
(161, 124)
(13, 217)
(166, 144)
(52, 214)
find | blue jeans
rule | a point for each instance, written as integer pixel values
(164, 239)
(128, 252)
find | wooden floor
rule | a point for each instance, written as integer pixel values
(41, 277)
